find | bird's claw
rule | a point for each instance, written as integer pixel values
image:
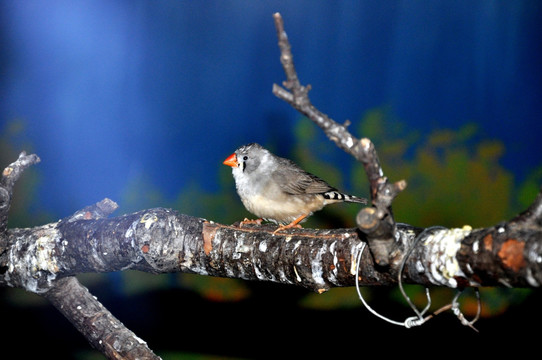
(248, 221)
(289, 226)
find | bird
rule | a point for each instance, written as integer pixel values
(276, 189)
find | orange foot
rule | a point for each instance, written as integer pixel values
(293, 224)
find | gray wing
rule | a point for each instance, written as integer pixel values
(295, 181)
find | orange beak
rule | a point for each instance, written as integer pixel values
(231, 161)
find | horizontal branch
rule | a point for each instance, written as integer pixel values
(161, 241)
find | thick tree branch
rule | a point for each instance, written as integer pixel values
(37, 273)
(101, 329)
(44, 259)
(162, 241)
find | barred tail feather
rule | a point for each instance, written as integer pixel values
(335, 195)
(355, 199)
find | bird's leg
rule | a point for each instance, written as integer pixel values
(248, 221)
(294, 223)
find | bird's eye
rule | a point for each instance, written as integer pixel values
(245, 158)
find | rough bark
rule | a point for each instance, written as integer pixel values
(103, 331)
(162, 240)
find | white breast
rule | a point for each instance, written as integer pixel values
(265, 199)
(283, 209)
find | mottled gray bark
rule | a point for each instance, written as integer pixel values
(103, 331)
(162, 240)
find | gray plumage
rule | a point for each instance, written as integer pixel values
(277, 189)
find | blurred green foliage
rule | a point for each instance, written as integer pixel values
(454, 176)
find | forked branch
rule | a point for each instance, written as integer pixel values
(377, 222)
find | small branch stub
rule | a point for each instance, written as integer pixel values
(9, 177)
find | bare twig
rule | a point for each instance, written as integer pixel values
(9, 177)
(377, 222)
(13, 171)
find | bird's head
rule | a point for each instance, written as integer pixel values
(247, 158)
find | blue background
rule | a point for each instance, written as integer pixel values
(116, 90)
